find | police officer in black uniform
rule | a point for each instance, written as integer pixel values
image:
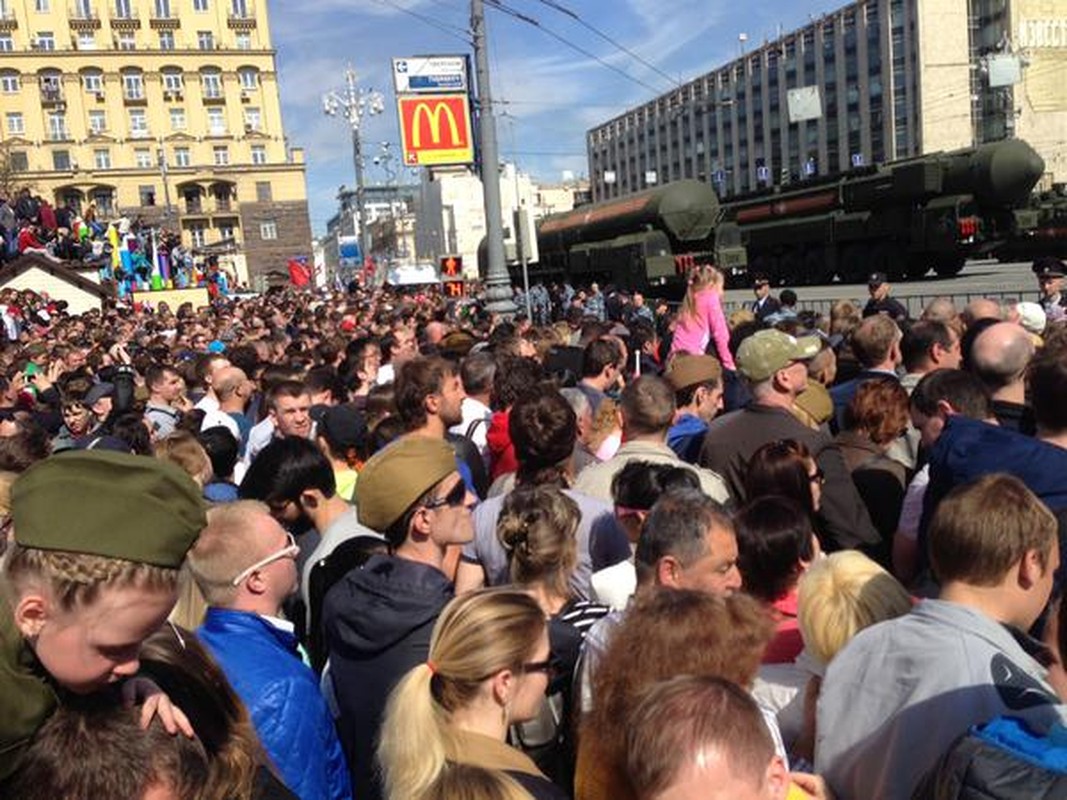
(881, 302)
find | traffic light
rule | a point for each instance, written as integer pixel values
(453, 288)
(451, 266)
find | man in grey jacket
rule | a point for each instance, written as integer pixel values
(897, 696)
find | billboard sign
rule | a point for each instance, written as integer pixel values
(804, 103)
(419, 74)
(435, 130)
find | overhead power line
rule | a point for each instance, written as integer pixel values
(562, 9)
(499, 6)
(455, 32)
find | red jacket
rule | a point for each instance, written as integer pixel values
(502, 458)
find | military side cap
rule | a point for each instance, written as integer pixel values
(691, 370)
(765, 352)
(398, 475)
(108, 504)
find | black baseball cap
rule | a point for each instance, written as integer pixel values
(877, 279)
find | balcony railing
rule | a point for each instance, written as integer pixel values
(165, 21)
(83, 18)
(8, 22)
(125, 20)
(242, 16)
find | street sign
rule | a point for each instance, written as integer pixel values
(423, 74)
(857, 159)
(763, 173)
(435, 129)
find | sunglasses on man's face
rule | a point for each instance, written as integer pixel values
(457, 496)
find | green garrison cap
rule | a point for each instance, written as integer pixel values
(109, 504)
(398, 475)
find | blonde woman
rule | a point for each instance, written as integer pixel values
(701, 319)
(489, 667)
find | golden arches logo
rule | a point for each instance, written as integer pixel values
(433, 118)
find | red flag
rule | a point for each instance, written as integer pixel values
(299, 272)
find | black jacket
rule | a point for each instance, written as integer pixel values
(378, 621)
(731, 440)
(984, 767)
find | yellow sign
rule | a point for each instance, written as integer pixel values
(435, 129)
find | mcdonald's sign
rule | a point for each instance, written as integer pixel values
(435, 129)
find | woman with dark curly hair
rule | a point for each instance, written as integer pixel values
(665, 633)
(876, 417)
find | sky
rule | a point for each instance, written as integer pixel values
(547, 93)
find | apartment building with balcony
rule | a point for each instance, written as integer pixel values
(168, 109)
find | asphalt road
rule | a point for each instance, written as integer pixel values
(978, 279)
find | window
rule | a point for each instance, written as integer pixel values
(138, 123)
(212, 85)
(263, 193)
(15, 123)
(243, 40)
(83, 9)
(57, 126)
(205, 40)
(268, 230)
(226, 230)
(93, 82)
(41, 6)
(123, 9)
(259, 154)
(18, 161)
(162, 9)
(172, 81)
(239, 8)
(216, 124)
(127, 40)
(61, 160)
(198, 235)
(222, 155)
(142, 157)
(200, 6)
(46, 40)
(9, 83)
(102, 159)
(7, 44)
(105, 202)
(177, 119)
(147, 195)
(132, 86)
(253, 121)
(166, 40)
(181, 157)
(97, 121)
(86, 40)
(51, 88)
(249, 78)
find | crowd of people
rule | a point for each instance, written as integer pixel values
(128, 253)
(367, 545)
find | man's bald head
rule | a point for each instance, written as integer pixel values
(981, 308)
(228, 380)
(1001, 355)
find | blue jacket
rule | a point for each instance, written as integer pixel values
(282, 695)
(967, 449)
(686, 436)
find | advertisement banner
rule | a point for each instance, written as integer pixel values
(435, 130)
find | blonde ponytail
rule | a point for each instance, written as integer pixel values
(411, 750)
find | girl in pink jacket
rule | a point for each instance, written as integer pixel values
(702, 319)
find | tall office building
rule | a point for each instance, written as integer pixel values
(874, 81)
(164, 108)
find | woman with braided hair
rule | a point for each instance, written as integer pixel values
(537, 527)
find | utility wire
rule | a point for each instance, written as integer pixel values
(562, 9)
(499, 6)
(451, 30)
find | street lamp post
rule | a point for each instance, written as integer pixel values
(353, 104)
